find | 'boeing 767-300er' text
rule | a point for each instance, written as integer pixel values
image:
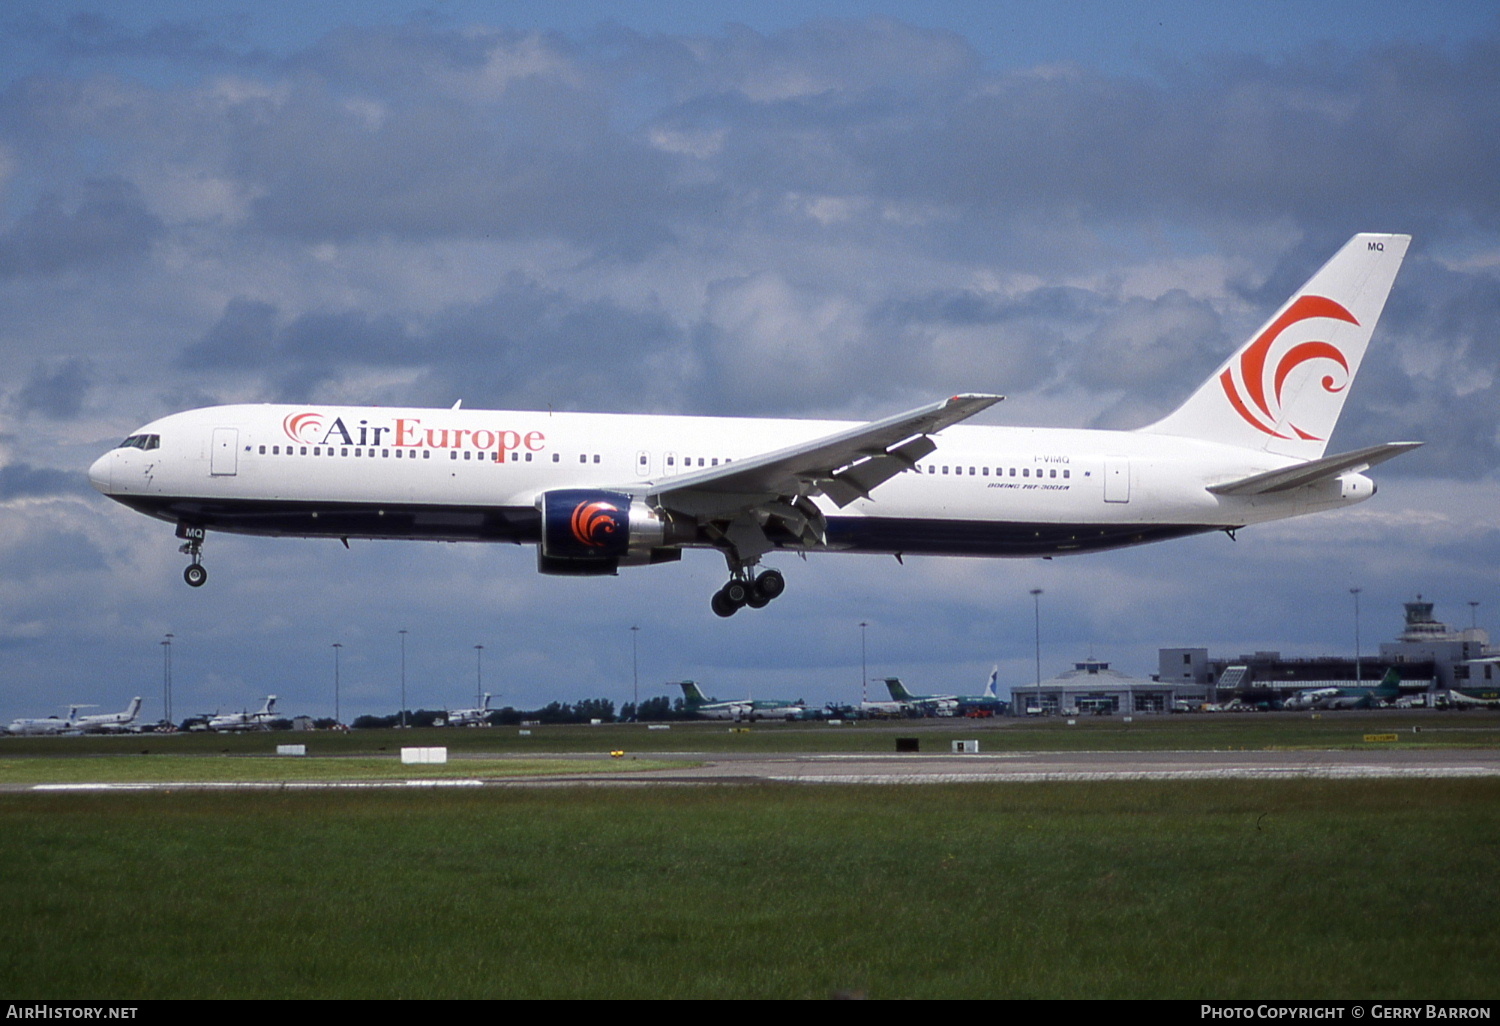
(595, 492)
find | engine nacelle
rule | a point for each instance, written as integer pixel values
(586, 531)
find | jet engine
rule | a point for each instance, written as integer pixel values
(586, 532)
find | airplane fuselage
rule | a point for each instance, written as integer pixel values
(474, 475)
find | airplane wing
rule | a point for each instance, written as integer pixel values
(844, 466)
(1313, 471)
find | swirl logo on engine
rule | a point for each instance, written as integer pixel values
(595, 523)
(1255, 393)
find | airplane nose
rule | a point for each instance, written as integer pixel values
(101, 474)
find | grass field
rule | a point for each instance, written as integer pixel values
(1249, 889)
(243, 769)
(1215, 889)
(1414, 729)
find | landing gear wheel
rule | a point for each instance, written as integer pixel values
(736, 593)
(721, 605)
(769, 585)
(195, 575)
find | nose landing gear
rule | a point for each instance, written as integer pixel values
(196, 573)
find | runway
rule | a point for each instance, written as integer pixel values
(705, 769)
(1031, 767)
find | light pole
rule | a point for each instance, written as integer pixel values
(478, 676)
(635, 671)
(1474, 613)
(864, 670)
(1036, 601)
(1358, 672)
(336, 647)
(166, 678)
(402, 632)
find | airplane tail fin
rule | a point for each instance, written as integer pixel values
(691, 692)
(1284, 389)
(1389, 688)
(897, 689)
(135, 708)
(989, 687)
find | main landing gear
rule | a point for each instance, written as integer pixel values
(744, 590)
(196, 574)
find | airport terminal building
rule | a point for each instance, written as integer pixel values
(1428, 655)
(1091, 687)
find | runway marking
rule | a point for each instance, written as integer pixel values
(255, 785)
(1237, 773)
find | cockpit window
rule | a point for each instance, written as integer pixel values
(141, 442)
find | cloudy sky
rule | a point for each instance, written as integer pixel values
(812, 209)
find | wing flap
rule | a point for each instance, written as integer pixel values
(846, 465)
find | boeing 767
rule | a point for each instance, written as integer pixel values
(596, 492)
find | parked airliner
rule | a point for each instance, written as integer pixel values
(111, 723)
(45, 725)
(595, 492)
(261, 719)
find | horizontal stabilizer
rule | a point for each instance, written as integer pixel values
(1314, 471)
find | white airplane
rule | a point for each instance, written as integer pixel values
(470, 717)
(737, 709)
(111, 723)
(595, 492)
(46, 724)
(1362, 696)
(259, 720)
(946, 705)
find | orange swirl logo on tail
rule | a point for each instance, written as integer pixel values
(1256, 394)
(594, 523)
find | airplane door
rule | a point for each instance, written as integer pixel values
(669, 463)
(224, 461)
(1116, 479)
